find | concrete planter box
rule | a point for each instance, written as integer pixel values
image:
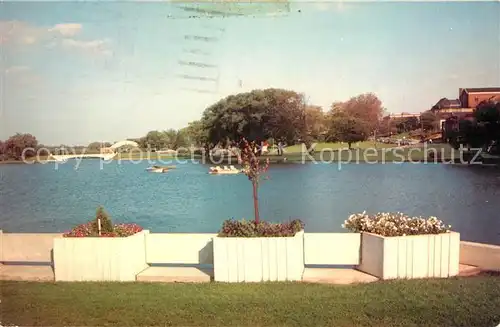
(100, 258)
(416, 256)
(259, 259)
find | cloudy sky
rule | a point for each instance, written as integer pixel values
(73, 73)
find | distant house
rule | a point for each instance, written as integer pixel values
(445, 103)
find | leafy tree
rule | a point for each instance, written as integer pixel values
(102, 217)
(386, 126)
(256, 116)
(487, 115)
(195, 134)
(14, 147)
(365, 108)
(155, 140)
(488, 111)
(470, 133)
(429, 121)
(407, 124)
(175, 139)
(253, 170)
(347, 128)
(96, 146)
(315, 122)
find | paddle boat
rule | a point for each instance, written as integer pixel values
(159, 169)
(231, 170)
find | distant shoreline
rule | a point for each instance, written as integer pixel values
(437, 153)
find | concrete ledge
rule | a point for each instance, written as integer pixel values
(336, 276)
(484, 256)
(27, 273)
(175, 275)
(468, 271)
(27, 247)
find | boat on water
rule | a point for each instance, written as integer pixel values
(231, 170)
(159, 169)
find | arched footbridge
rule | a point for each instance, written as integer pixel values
(106, 153)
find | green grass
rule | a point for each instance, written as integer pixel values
(298, 148)
(464, 302)
(370, 154)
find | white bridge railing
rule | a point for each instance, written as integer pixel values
(65, 157)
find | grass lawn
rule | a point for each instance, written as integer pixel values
(467, 302)
(298, 148)
(368, 153)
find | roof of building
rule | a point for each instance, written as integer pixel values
(445, 103)
(481, 89)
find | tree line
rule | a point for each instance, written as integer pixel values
(275, 115)
(284, 115)
(272, 114)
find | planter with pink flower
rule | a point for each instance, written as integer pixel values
(255, 250)
(100, 251)
(394, 245)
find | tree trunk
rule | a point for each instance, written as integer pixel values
(255, 203)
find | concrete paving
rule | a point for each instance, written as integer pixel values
(197, 275)
(467, 271)
(27, 273)
(336, 276)
(175, 275)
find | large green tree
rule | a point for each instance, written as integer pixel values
(18, 146)
(487, 115)
(175, 139)
(195, 134)
(155, 140)
(429, 121)
(316, 123)
(256, 116)
(345, 127)
(366, 108)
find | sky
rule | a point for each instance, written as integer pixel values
(77, 72)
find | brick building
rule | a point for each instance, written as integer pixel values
(471, 97)
(450, 112)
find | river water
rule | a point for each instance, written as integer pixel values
(40, 198)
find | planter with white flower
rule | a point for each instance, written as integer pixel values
(257, 251)
(100, 251)
(394, 245)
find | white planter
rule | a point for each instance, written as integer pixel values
(259, 259)
(100, 258)
(416, 256)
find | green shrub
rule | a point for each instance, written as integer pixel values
(106, 224)
(249, 228)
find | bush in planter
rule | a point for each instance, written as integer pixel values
(394, 224)
(249, 228)
(102, 216)
(91, 229)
